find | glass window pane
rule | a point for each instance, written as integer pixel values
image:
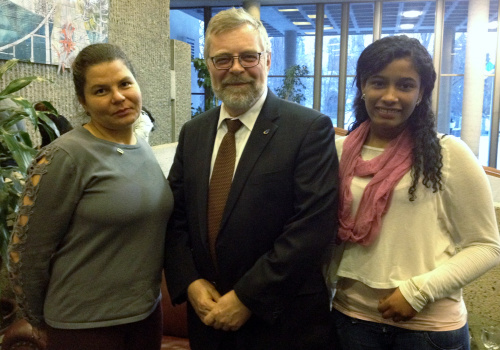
(329, 97)
(360, 33)
(301, 93)
(197, 104)
(283, 36)
(412, 18)
(188, 25)
(331, 40)
(453, 69)
(484, 141)
(292, 33)
(291, 30)
(307, 91)
(453, 54)
(450, 105)
(490, 60)
(349, 99)
(275, 83)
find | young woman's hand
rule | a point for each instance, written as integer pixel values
(396, 307)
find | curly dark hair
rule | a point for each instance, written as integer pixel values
(427, 157)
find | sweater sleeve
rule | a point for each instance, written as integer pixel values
(46, 207)
(470, 220)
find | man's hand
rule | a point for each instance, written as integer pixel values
(229, 314)
(396, 307)
(203, 297)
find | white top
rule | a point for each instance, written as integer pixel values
(248, 120)
(143, 126)
(432, 247)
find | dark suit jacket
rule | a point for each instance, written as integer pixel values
(280, 217)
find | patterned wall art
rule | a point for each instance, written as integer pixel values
(51, 31)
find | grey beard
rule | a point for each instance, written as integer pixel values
(240, 101)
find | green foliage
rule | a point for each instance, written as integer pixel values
(292, 85)
(205, 82)
(16, 147)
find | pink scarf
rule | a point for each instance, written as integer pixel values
(387, 169)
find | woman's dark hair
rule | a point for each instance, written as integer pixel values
(92, 55)
(62, 124)
(427, 158)
(150, 116)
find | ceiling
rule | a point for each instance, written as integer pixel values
(360, 15)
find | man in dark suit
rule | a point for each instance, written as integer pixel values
(258, 283)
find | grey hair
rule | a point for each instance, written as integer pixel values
(231, 19)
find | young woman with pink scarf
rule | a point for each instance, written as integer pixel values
(416, 214)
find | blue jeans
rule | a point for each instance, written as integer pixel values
(355, 334)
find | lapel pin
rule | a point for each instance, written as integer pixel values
(266, 131)
(119, 150)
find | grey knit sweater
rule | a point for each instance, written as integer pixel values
(91, 252)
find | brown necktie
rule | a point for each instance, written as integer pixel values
(222, 176)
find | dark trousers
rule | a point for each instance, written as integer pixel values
(142, 335)
(355, 334)
(305, 325)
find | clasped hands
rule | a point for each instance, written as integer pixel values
(224, 312)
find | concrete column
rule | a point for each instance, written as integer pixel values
(318, 55)
(134, 31)
(443, 122)
(475, 54)
(290, 48)
(252, 7)
(438, 48)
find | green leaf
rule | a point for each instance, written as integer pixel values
(16, 146)
(25, 138)
(8, 65)
(14, 118)
(22, 154)
(19, 83)
(51, 109)
(50, 126)
(31, 113)
(4, 240)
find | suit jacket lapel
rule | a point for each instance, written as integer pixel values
(262, 133)
(205, 141)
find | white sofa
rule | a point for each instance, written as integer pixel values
(165, 155)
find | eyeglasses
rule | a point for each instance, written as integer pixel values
(247, 60)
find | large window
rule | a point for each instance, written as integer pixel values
(451, 90)
(293, 28)
(360, 36)
(330, 69)
(188, 26)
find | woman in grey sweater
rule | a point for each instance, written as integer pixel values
(86, 253)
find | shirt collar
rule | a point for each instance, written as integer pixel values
(248, 118)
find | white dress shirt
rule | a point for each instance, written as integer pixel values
(248, 120)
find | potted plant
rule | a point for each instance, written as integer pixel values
(204, 81)
(16, 148)
(292, 85)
